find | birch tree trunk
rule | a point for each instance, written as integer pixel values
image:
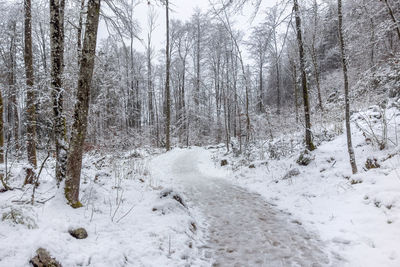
(30, 99)
(74, 162)
(346, 89)
(57, 61)
(309, 144)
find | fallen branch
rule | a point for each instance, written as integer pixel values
(36, 182)
(29, 201)
(123, 216)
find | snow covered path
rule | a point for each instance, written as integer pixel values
(243, 229)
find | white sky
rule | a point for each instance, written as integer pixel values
(183, 10)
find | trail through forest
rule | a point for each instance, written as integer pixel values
(243, 229)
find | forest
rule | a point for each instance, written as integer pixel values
(116, 134)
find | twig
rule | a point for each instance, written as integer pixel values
(37, 201)
(36, 183)
(123, 216)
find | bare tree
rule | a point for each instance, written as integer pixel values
(314, 55)
(2, 176)
(13, 91)
(79, 32)
(78, 134)
(227, 25)
(295, 87)
(198, 39)
(31, 101)
(57, 61)
(167, 77)
(391, 14)
(258, 44)
(308, 137)
(346, 89)
(151, 23)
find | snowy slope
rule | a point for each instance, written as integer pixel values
(127, 221)
(357, 215)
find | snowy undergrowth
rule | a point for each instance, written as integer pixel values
(129, 219)
(357, 215)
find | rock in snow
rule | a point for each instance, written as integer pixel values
(79, 233)
(291, 173)
(43, 259)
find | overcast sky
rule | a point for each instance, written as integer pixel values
(183, 10)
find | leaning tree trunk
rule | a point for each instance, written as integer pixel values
(167, 89)
(57, 61)
(74, 162)
(309, 144)
(30, 98)
(346, 89)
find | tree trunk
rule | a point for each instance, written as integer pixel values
(260, 90)
(372, 37)
(314, 56)
(30, 101)
(218, 102)
(308, 136)
(182, 99)
(197, 94)
(4, 184)
(138, 107)
(79, 33)
(295, 90)
(149, 82)
(14, 118)
(278, 90)
(167, 89)
(346, 89)
(396, 23)
(78, 134)
(44, 48)
(278, 80)
(227, 135)
(57, 61)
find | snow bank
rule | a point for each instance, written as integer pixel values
(120, 214)
(358, 216)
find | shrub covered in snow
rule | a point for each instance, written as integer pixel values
(305, 158)
(22, 215)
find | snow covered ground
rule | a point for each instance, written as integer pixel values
(128, 219)
(241, 228)
(182, 208)
(357, 216)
